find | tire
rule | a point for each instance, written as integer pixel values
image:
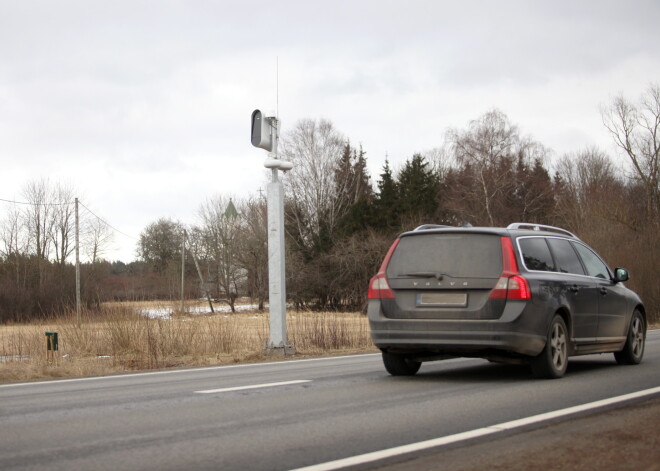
(551, 363)
(399, 365)
(633, 350)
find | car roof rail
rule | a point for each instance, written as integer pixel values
(540, 227)
(426, 227)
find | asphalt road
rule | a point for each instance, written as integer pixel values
(297, 413)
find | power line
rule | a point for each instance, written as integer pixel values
(37, 204)
(106, 222)
(65, 203)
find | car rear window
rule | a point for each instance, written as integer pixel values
(455, 255)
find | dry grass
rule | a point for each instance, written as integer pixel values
(117, 339)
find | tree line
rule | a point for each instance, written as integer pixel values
(339, 222)
(37, 243)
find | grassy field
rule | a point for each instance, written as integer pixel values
(147, 335)
(120, 338)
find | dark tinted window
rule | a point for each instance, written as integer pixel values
(593, 264)
(536, 254)
(566, 258)
(456, 255)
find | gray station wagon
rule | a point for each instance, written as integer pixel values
(524, 294)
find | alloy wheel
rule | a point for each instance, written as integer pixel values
(558, 346)
(637, 337)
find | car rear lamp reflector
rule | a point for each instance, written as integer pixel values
(379, 288)
(511, 287)
(518, 288)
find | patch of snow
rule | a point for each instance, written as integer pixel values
(166, 313)
(8, 358)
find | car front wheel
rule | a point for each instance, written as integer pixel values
(633, 350)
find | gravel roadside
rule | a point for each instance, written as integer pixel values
(626, 438)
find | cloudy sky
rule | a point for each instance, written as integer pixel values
(144, 106)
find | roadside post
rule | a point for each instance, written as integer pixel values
(265, 135)
(52, 345)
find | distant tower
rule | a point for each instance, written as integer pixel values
(230, 212)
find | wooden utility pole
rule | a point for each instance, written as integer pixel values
(77, 266)
(183, 266)
(201, 280)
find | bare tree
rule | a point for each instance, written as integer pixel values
(586, 181)
(483, 147)
(12, 233)
(96, 236)
(635, 128)
(252, 250)
(494, 162)
(220, 229)
(14, 241)
(39, 217)
(440, 160)
(63, 224)
(39, 222)
(316, 201)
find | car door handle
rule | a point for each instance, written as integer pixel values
(603, 291)
(574, 288)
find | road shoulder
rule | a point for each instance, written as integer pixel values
(619, 439)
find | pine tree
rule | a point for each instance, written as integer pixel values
(417, 187)
(386, 205)
(353, 186)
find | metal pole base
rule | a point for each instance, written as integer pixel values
(280, 350)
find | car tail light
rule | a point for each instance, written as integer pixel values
(379, 288)
(511, 284)
(511, 287)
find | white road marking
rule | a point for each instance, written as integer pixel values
(436, 442)
(254, 386)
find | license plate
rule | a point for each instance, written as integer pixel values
(442, 299)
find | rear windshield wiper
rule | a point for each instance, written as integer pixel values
(427, 274)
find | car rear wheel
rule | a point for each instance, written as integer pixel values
(400, 365)
(553, 360)
(633, 350)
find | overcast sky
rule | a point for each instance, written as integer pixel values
(144, 106)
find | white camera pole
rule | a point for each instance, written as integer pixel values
(265, 134)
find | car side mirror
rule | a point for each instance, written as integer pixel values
(620, 275)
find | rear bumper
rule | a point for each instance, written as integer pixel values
(515, 332)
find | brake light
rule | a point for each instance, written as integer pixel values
(518, 288)
(511, 287)
(379, 288)
(511, 284)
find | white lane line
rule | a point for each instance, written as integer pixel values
(190, 370)
(254, 386)
(436, 442)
